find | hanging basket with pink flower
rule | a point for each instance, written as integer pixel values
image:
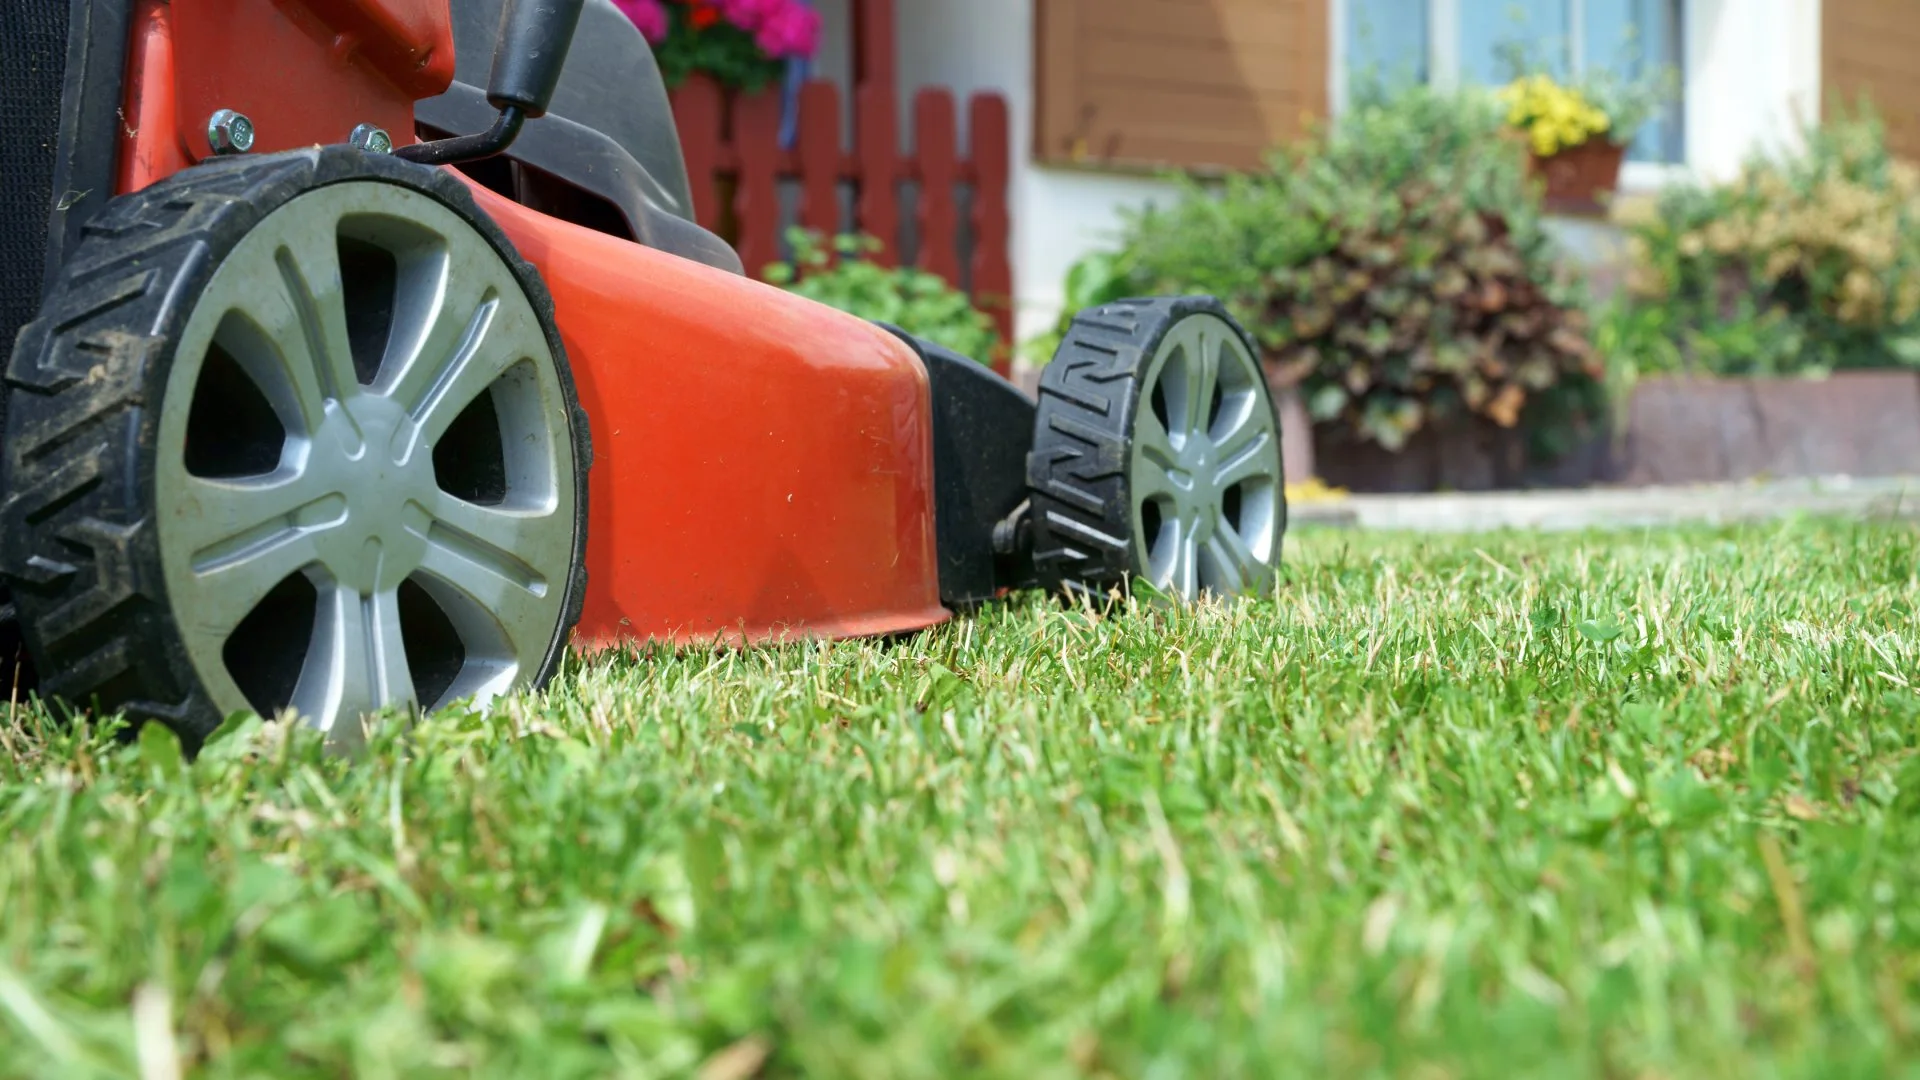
(744, 45)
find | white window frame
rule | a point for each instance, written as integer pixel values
(1443, 66)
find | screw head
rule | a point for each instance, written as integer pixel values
(229, 132)
(372, 139)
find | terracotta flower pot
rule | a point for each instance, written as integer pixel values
(1577, 178)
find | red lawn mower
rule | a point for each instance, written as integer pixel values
(353, 373)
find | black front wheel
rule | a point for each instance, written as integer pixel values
(1157, 454)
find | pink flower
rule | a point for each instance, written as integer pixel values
(793, 29)
(648, 15)
(781, 28)
(749, 15)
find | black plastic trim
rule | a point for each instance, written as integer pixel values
(594, 163)
(83, 179)
(982, 431)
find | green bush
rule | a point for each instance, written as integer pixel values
(1099, 277)
(1395, 264)
(1803, 264)
(916, 301)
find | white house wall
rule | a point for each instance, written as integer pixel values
(1753, 80)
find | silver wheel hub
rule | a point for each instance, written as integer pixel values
(371, 447)
(1205, 474)
(365, 469)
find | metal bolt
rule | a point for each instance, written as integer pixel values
(371, 139)
(228, 132)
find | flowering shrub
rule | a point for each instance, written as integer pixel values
(1554, 117)
(1801, 264)
(1395, 266)
(742, 43)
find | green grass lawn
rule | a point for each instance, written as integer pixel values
(1643, 805)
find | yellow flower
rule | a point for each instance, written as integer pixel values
(1553, 116)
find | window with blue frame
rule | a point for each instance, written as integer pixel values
(1473, 42)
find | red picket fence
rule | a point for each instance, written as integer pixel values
(737, 169)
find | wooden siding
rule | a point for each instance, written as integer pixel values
(1872, 48)
(1197, 84)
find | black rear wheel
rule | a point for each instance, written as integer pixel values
(16, 671)
(293, 434)
(16, 668)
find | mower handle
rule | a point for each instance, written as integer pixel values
(527, 57)
(534, 38)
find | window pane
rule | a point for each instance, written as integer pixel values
(1492, 30)
(1386, 42)
(1634, 38)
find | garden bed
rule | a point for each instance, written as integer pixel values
(1674, 430)
(1699, 430)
